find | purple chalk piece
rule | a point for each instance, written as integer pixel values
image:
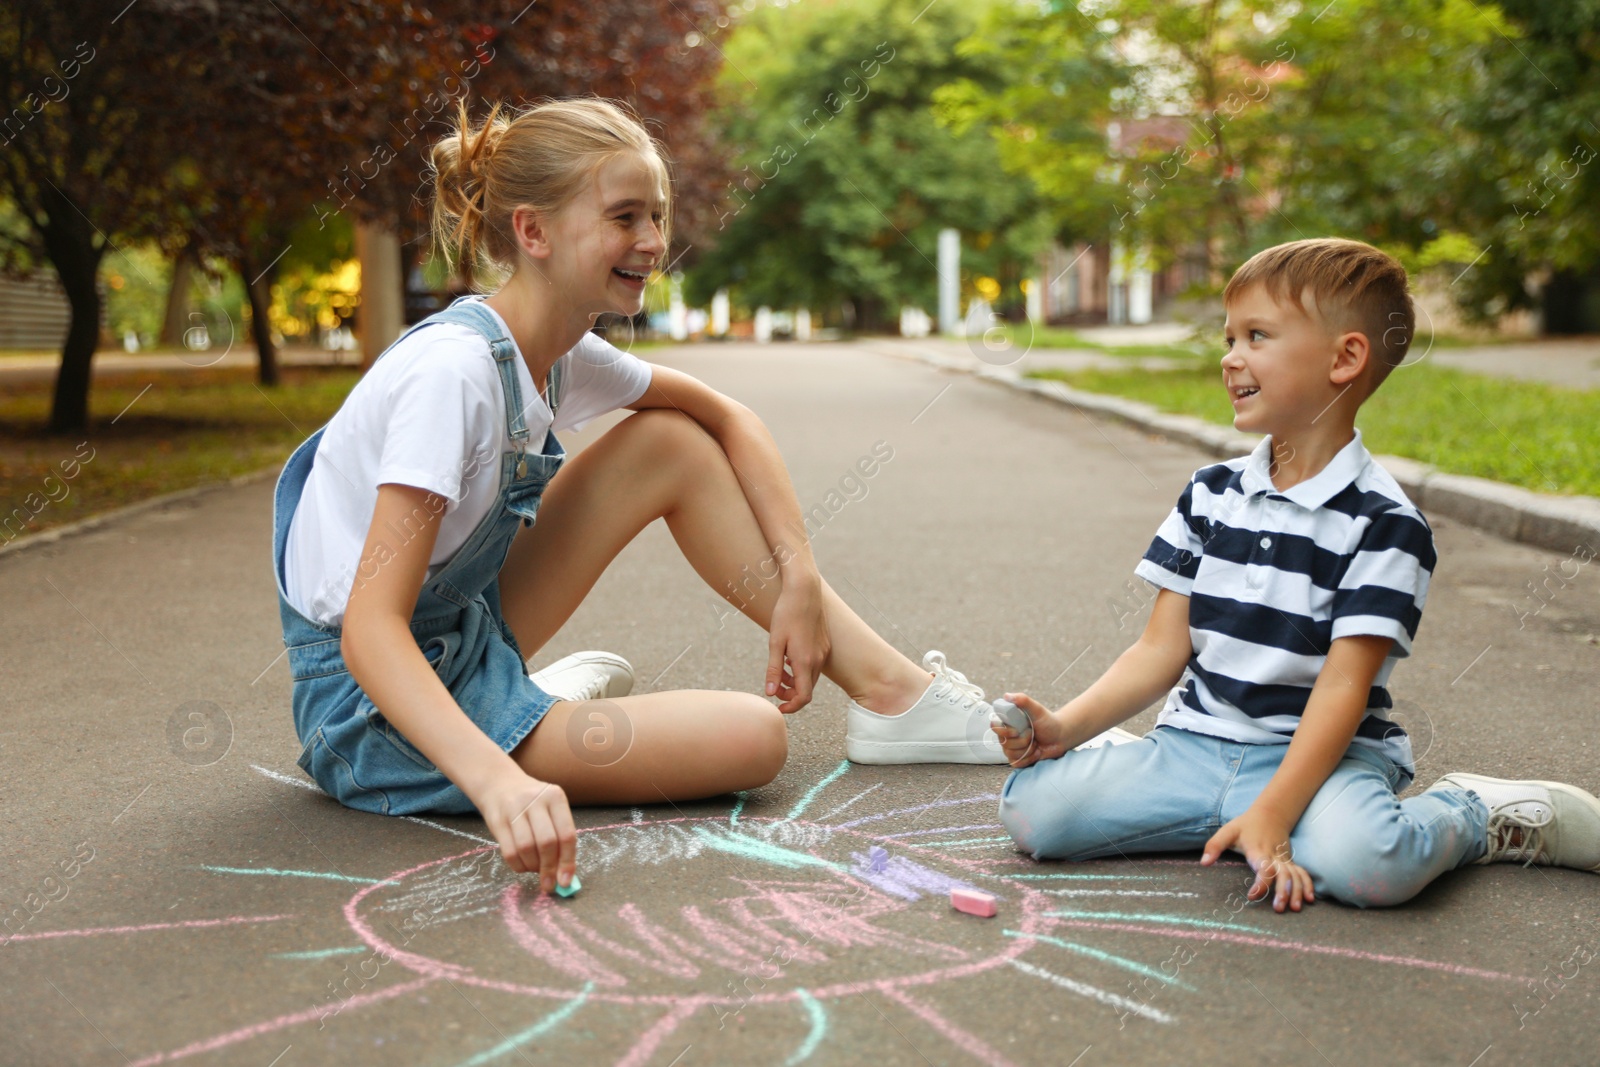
(877, 858)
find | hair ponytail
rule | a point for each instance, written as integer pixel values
(538, 157)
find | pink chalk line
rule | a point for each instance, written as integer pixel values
(651, 1039)
(952, 1033)
(1032, 921)
(245, 1033)
(1301, 946)
(187, 924)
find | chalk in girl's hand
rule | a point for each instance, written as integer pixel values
(877, 858)
(569, 890)
(974, 902)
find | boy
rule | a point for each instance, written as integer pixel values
(1290, 580)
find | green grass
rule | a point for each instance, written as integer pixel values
(1048, 337)
(188, 428)
(1541, 437)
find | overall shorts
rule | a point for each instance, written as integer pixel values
(352, 751)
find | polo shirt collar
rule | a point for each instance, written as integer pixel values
(1341, 471)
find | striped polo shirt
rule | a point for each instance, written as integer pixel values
(1274, 576)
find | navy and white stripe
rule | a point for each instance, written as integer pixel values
(1275, 577)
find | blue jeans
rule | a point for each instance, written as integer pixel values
(1175, 788)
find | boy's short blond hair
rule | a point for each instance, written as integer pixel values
(1354, 285)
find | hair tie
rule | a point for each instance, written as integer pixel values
(488, 142)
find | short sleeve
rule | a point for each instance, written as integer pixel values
(1173, 558)
(1385, 583)
(598, 377)
(441, 422)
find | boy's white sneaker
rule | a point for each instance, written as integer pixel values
(586, 676)
(1548, 823)
(949, 723)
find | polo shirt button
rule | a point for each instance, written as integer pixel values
(1266, 542)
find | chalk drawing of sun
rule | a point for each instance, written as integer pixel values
(789, 915)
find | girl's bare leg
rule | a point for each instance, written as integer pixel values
(661, 464)
(657, 747)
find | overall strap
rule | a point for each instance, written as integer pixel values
(470, 311)
(552, 387)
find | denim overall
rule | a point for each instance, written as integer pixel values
(351, 750)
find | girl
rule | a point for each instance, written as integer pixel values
(413, 580)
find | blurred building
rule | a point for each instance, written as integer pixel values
(35, 313)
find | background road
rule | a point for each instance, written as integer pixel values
(184, 896)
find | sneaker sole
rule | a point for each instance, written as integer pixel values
(887, 753)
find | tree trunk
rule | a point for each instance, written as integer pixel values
(175, 323)
(70, 241)
(1570, 302)
(259, 292)
(870, 310)
(381, 313)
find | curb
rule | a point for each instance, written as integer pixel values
(1559, 523)
(155, 503)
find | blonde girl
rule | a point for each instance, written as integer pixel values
(414, 580)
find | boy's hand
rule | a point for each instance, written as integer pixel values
(1264, 840)
(1045, 741)
(533, 825)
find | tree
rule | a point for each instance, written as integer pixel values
(1226, 127)
(846, 173)
(221, 125)
(1525, 172)
(76, 170)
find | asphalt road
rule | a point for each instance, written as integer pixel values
(175, 892)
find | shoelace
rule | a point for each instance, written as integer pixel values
(948, 680)
(1503, 824)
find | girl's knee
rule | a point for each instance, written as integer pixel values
(666, 432)
(756, 742)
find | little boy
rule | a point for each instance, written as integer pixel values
(1290, 580)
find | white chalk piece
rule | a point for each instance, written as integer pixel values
(1008, 714)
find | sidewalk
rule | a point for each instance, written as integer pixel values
(1565, 524)
(229, 914)
(1573, 363)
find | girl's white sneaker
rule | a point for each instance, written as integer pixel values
(949, 723)
(586, 676)
(1549, 823)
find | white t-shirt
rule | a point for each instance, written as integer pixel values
(431, 414)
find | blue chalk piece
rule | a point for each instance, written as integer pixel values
(877, 858)
(569, 890)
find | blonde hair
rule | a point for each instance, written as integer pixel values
(1352, 284)
(539, 157)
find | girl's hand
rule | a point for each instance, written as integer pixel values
(797, 644)
(1264, 840)
(1047, 740)
(533, 825)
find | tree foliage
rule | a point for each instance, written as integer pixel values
(845, 174)
(221, 124)
(1431, 127)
